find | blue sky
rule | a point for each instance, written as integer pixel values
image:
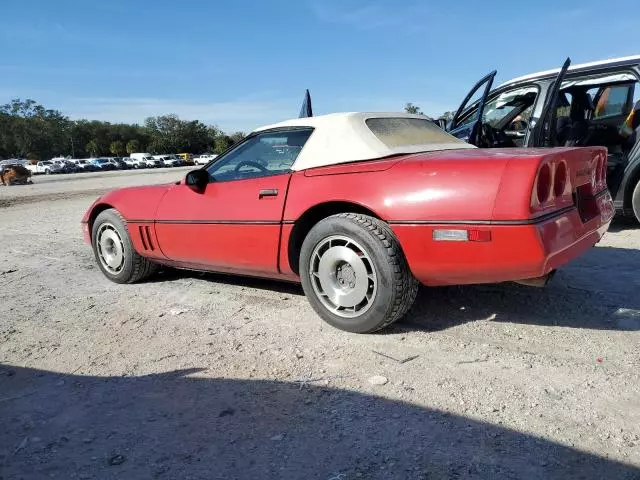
(239, 64)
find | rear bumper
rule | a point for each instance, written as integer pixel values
(515, 252)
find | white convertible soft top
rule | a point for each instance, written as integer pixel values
(349, 137)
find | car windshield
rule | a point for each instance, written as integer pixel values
(503, 105)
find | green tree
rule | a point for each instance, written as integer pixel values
(411, 108)
(133, 146)
(222, 143)
(237, 137)
(117, 148)
(28, 129)
(93, 148)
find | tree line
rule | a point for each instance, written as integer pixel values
(415, 109)
(29, 130)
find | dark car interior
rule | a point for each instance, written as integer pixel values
(590, 115)
(601, 115)
(596, 110)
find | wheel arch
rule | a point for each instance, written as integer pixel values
(312, 216)
(95, 211)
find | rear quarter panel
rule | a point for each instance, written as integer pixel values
(447, 186)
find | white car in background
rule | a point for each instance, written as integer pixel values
(134, 162)
(83, 165)
(46, 167)
(168, 160)
(144, 160)
(204, 159)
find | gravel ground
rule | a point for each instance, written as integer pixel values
(207, 376)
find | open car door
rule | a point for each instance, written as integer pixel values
(544, 132)
(467, 125)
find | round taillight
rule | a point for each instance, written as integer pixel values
(544, 183)
(560, 180)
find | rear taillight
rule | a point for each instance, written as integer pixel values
(543, 184)
(560, 179)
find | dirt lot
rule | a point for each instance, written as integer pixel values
(196, 376)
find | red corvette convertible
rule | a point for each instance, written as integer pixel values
(361, 208)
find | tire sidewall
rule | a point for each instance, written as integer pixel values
(112, 217)
(635, 201)
(383, 301)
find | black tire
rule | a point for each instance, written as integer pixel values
(396, 286)
(134, 267)
(635, 201)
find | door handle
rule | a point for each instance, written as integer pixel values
(268, 192)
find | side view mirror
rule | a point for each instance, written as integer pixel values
(197, 180)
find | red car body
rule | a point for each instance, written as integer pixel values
(461, 216)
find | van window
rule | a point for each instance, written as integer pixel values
(612, 101)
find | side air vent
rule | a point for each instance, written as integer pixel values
(145, 236)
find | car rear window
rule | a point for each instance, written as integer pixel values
(400, 132)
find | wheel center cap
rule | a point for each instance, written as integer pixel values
(346, 275)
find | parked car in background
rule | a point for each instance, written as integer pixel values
(121, 163)
(103, 164)
(204, 159)
(361, 208)
(116, 162)
(45, 167)
(66, 166)
(187, 157)
(179, 161)
(592, 104)
(168, 160)
(134, 163)
(84, 165)
(145, 160)
(70, 166)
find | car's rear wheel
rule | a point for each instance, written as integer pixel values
(114, 251)
(635, 201)
(354, 273)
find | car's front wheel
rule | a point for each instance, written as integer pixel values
(355, 274)
(114, 251)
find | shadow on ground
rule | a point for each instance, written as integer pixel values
(173, 425)
(597, 291)
(620, 224)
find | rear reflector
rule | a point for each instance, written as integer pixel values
(461, 235)
(479, 235)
